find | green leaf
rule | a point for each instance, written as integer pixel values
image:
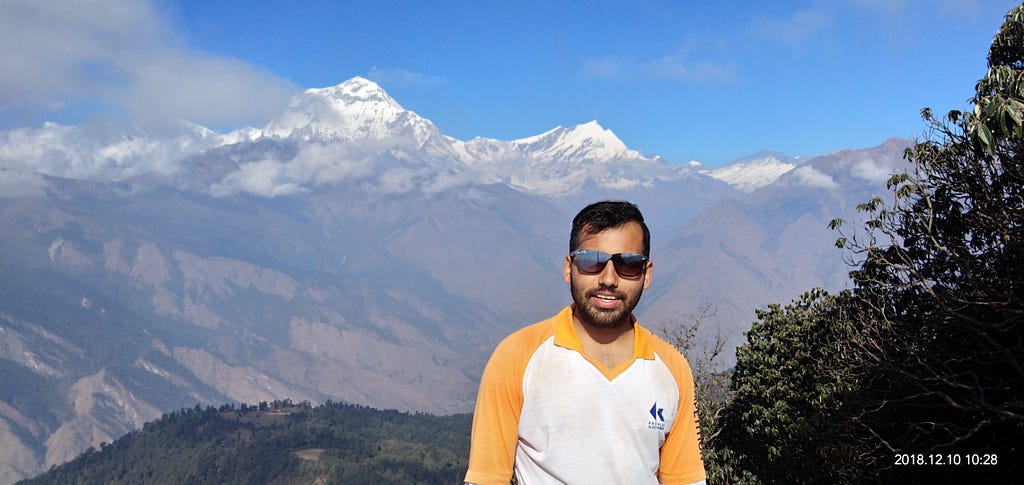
(988, 142)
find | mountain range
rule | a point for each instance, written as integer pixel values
(351, 251)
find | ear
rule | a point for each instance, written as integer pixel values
(567, 269)
(648, 275)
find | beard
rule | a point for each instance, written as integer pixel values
(590, 314)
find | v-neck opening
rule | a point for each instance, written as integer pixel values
(566, 336)
(613, 373)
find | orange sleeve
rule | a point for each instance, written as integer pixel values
(681, 461)
(498, 405)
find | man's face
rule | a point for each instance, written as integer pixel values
(606, 299)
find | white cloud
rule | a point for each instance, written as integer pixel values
(444, 181)
(797, 29)
(871, 171)
(120, 55)
(313, 166)
(20, 183)
(810, 177)
(402, 180)
(679, 66)
(99, 151)
(267, 178)
(397, 181)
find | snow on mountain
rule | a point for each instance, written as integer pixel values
(755, 171)
(245, 134)
(589, 141)
(558, 162)
(357, 109)
(354, 129)
(360, 111)
(561, 161)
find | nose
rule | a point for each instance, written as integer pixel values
(609, 277)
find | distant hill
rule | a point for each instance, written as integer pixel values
(279, 442)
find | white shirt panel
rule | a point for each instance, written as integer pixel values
(569, 401)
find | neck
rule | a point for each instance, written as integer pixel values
(611, 346)
(601, 334)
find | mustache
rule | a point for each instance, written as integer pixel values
(605, 290)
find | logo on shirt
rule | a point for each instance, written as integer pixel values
(657, 418)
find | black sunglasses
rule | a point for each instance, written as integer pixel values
(627, 265)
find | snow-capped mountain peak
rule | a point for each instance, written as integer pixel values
(755, 171)
(589, 141)
(355, 90)
(370, 135)
(357, 109)
(563, 160)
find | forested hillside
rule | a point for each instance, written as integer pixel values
(279, 442)
(916, 374)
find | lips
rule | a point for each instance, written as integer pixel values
(606, 300)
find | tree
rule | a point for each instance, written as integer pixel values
(786, 421)
(939, 279)
(711, 391)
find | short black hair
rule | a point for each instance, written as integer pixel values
(601, 216)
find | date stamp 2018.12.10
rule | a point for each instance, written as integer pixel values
(945, 459)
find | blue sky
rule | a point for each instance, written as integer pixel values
(686, 80)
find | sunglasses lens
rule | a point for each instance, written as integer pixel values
(627, 265)
(591, 262)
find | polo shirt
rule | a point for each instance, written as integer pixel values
(557, 416)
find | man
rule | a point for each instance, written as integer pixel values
(589, 396)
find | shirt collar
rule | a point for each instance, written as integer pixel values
(565, 336)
